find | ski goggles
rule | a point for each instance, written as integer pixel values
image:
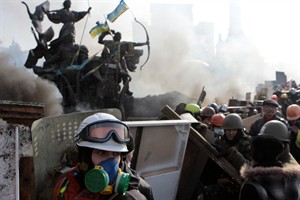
(103, 131)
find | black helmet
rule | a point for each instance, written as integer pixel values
(215, 107)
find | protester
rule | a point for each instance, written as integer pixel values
(293, 117)
(269, 110)
(234, 145)
(206, 115)
(267, 177)
(101, 172)
(284, 102)
(280, 131)
(216, 124)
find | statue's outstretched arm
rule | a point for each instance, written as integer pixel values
(102, 36)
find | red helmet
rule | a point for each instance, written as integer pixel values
(293, 112)
(217, 119)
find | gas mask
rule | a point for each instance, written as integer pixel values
(218, 132)
(107, 178)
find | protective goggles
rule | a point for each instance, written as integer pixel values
(103, 131)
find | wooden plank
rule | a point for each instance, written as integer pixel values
(26, 178)
(249, 121)
(25, 113)
(197, 152)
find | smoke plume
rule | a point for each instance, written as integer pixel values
(19, 84)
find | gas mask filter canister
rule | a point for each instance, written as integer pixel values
(106, 178)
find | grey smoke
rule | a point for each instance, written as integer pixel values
(20, 84)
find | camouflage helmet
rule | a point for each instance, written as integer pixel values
(276, 129)
(232, 121)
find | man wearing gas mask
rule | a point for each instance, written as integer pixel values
(101, 172)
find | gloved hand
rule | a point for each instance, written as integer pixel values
(222, 151)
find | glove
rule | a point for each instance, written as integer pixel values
(222, 151)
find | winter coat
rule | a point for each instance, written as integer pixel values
(236, 151)
(270, 183)
(295, 150)
(258, 124)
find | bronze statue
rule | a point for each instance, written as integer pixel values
(68, 18)
(92, 82)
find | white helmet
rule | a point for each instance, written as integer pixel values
(104, 132)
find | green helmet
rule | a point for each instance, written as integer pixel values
(276, 129)
(232, 121)
(192, 108)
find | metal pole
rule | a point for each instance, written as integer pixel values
(17, 162)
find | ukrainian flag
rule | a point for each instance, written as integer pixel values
(120, 9)
(99, 28)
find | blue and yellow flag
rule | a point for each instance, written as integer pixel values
(99, 28)
(81, 66)
(91, 72)
(120, 9)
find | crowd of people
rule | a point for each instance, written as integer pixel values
(266, 154)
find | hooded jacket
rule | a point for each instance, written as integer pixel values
(270, 183)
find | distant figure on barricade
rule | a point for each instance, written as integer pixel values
(68, 18)
(120, 51)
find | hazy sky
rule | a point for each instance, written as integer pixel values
(273, 25)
